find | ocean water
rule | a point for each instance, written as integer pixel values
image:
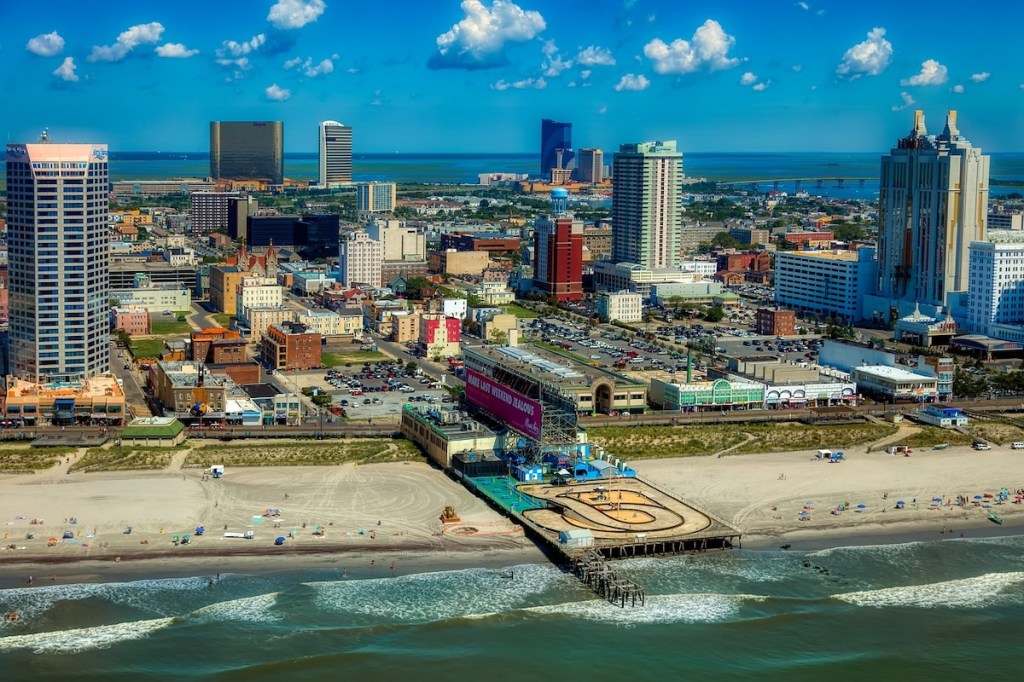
(896, 612)
(767, 168)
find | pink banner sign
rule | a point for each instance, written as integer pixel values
(515, 409)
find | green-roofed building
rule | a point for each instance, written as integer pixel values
(154, 431)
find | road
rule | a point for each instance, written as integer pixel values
(434, 370)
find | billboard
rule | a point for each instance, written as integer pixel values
(513, 408)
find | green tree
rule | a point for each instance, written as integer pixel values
(322, 399)
(714, 314)
(410, 367)
(968, 386)
(725, 240)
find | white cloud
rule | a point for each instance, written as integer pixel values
(242, 63)
(66, 71)
(803, 5)
(525, 84)
(592, 55)
(798, 68)
(748, 78)
(553, 64)
(277, 94)
(292, 63)
(585, 74)
(128, 40)
(322, 69)
(908, 101)
(236, 49)
(46, 44)
(352, 70)
(980, 77)
(477, 40)
(958, 89)
(289, 14)
(603, 109)
(632, 82)
(175, 51)
(760, 87)
(868, 58)
(708, 48)
(932, 73)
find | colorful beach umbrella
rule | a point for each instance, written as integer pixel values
(978, 497)
(936, 499)
(862, 506)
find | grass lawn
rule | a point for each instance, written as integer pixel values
(360, 450)
(170, 327)
(26, 460)
(223, 319)
(520, 311)
(339, 359)
(147, 348)
(123, 459)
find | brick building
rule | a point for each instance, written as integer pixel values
(133, 320)
(769, 322)
(290, 345)
(479, 242)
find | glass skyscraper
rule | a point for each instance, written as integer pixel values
(335, 153)
(243, 150)
(58, 247)
(555, 137)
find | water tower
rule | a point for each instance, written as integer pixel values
(559, 200)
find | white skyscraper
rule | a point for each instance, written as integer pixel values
(996, 306)
(359, 260)
(647, 213)
(933, 203)
(59, 248)
(335, 153)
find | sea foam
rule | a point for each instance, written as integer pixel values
(977, 592)
(665, 608)
(83, 639)
(257, 609)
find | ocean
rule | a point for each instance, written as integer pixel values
(853, 168)
(910, 611)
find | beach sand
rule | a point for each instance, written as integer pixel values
(762, 494)
(765, 494)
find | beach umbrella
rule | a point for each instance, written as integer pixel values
(978, 497)
(989, 496)
(279, 540)
(936, 499)
(862, 506)
(900, 502)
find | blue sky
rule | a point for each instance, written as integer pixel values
(478, 75)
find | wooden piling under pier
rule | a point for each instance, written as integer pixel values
(594, 571)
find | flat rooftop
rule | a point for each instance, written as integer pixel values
(551, 366)
(850, 256)
(894, 373)
(96, 387)
(450, 423)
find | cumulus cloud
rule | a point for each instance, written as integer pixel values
(231, 48)
(980, 77)
(958, 89)
(592, 55)
(128, 40)
(748, 78)
(277, 94)
(932, 73)
(553, 63)
(603, 109)
(908, 101)
(478, 40)
(707, 49)
(46, 44)
(525, 84)
(290, 14)
(632, 82)
(867, 58)
(175, 51)
(310, 69)
(803, 5)
(585, 74)
(761, 86)
(66, 71)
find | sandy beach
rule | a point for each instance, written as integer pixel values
(384, 514)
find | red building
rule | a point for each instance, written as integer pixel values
(558, 257)
(440, 335)
(769, 322)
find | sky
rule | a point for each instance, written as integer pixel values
(478, 75)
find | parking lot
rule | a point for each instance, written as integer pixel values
(370, 391)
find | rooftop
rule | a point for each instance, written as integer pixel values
(894, 373)
(849, 256)
(452, 424)
(100, 386)
(181, 373)
(551, 366)
(153, 427)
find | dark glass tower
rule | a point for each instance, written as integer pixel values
(554, 137)
(244, 150)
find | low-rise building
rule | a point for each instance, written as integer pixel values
(189, 390)
(621, 306)
(768, 322)
(258, 320)
(895, 384)
(131, 319)
(700, 396)
(405, 326)
(290, 345)
(439, 335)
(460, 262)
(442, 434)
(494, 293)
(943, 416)
(332, 322)
(97, 401)
(154, 299)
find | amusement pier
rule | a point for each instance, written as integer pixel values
(519, 446)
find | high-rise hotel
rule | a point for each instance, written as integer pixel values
(647, 209)
(335, 154)
(933, 203)
(247, 150)
(58, 261)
